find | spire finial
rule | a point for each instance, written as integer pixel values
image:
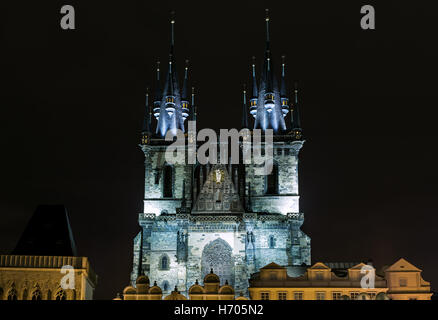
(267, 25)
(296, 91)
(158, 70)
(283, 64)
(186, 69)
(172, 30)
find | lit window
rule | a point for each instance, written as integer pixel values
(282, 296)
(336, 295)
(264, 296)
(372, 295)
(354, 295)
(298, 295)
(320, 296)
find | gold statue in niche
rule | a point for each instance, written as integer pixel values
(219, 176)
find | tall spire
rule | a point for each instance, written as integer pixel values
(194, 108)
(146, 122)
(146, 130)
(158, 93)
(171, 114)
(244, 110)
(268, 111)
(296, 123)
(184, 93)
(172, 32)
(255, 91)
(283, 91)
(267, 28)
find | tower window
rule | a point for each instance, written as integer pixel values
(271, 181)
(271, 242)
(164, 263)
(168, 182)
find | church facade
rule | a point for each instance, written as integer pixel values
(219, 216)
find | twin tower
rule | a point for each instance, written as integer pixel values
(224, 217)
(269, 103)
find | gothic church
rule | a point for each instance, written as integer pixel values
(186, 229)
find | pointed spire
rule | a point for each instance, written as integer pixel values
(296, 122)
(255, 91)
(146, 121)
(283, 90)
(194, 108)
(172, 32)
(267, 28)
(158, 95)
(244, 110)
(184, 93)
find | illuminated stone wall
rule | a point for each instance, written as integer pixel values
(260, 216)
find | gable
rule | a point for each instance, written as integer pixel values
(402, 265)
(218, 194)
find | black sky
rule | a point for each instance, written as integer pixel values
(72, 104)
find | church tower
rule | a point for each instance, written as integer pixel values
(225, 217)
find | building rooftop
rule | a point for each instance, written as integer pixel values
(48, 233)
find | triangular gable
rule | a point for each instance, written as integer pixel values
(319, 265)
(402, 265)
(218, 194)
(359, 266)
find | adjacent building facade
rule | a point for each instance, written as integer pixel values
(400, 281)
(33, 271)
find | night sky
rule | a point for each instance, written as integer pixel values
(72, 104)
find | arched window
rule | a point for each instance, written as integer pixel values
(271, 242)
(167, 181)
(12, 294)
(60, 295)
(164, 262)
(36, 295)
(271, 181)
(49, 295)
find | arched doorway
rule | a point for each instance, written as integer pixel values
(217, 255)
